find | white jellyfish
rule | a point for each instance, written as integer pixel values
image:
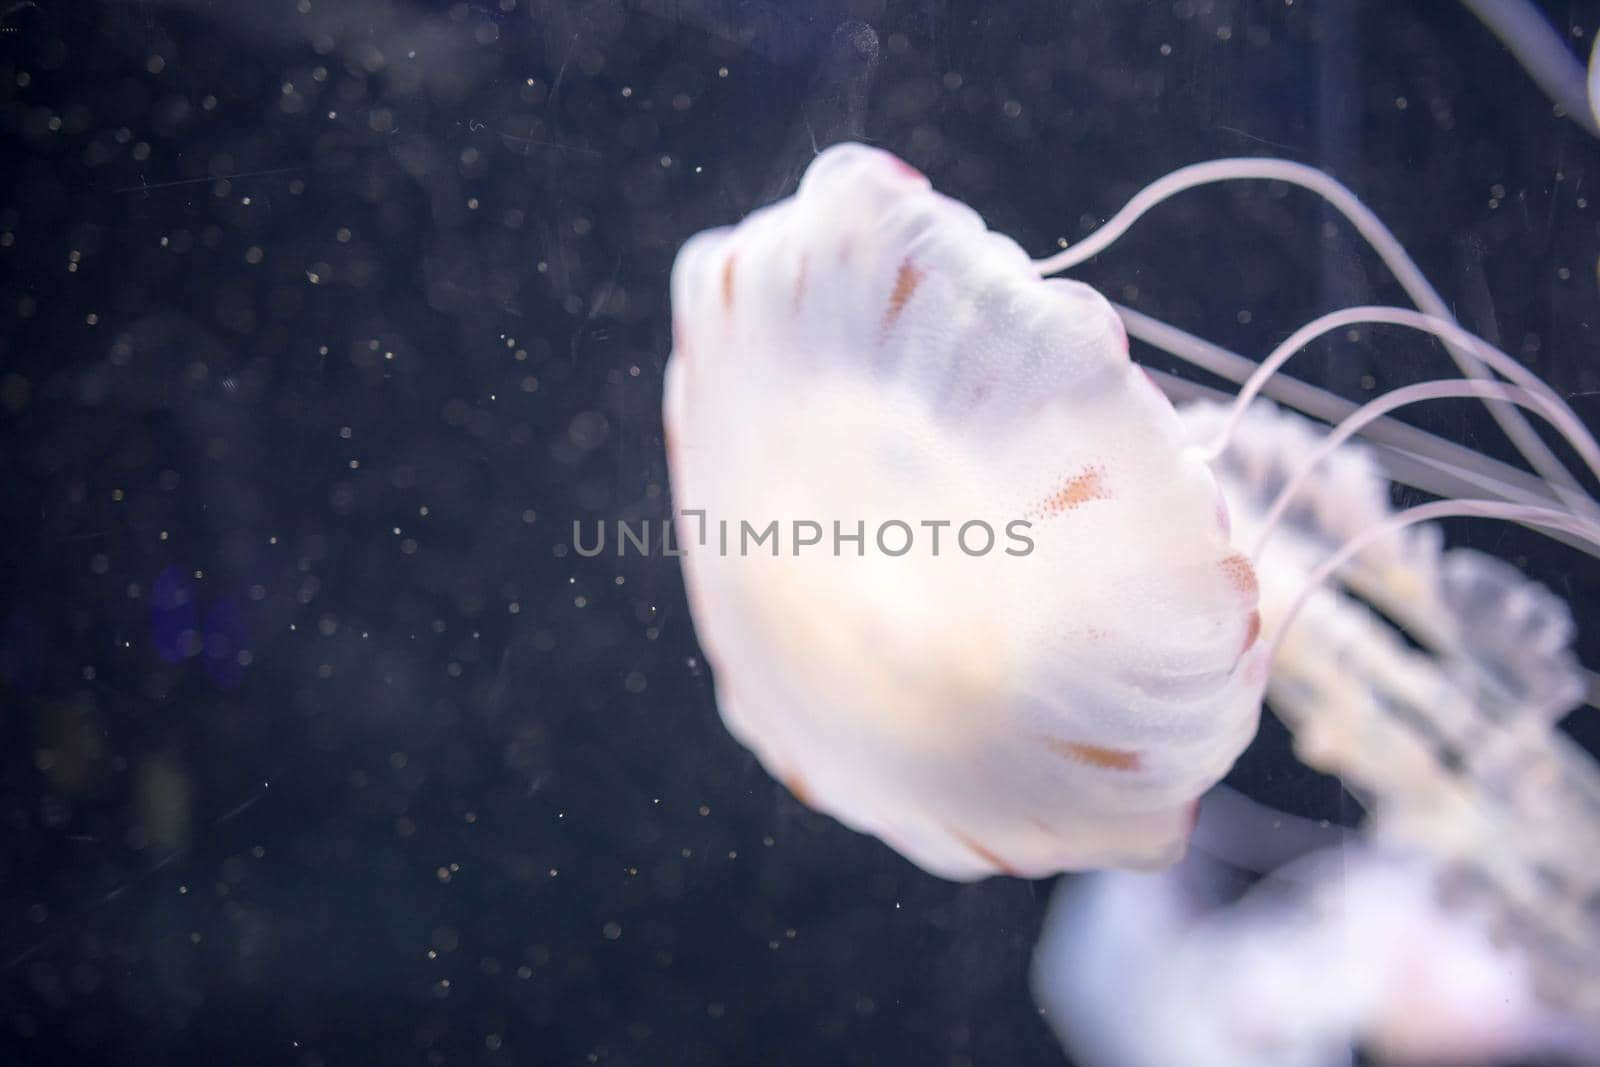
(960, 579)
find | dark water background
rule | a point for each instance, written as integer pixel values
(321, 326)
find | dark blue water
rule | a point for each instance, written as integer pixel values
(319, 328)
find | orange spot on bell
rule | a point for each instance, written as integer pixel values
(1241, 576)
(983, 853)
(1252, 630)
(1109, 759)
(906, 170)
(1079, 490)
(1224, 518)
(1194, 817)
(727, 283)
(796, 784)
(670, 440)
(906, 281)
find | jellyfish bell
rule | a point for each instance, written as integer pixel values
(992, 613)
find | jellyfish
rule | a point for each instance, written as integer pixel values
(1351, 946)
(960, 580)
(864, 366)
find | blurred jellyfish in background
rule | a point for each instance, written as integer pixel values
(1450, 739)
(1350, 947)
